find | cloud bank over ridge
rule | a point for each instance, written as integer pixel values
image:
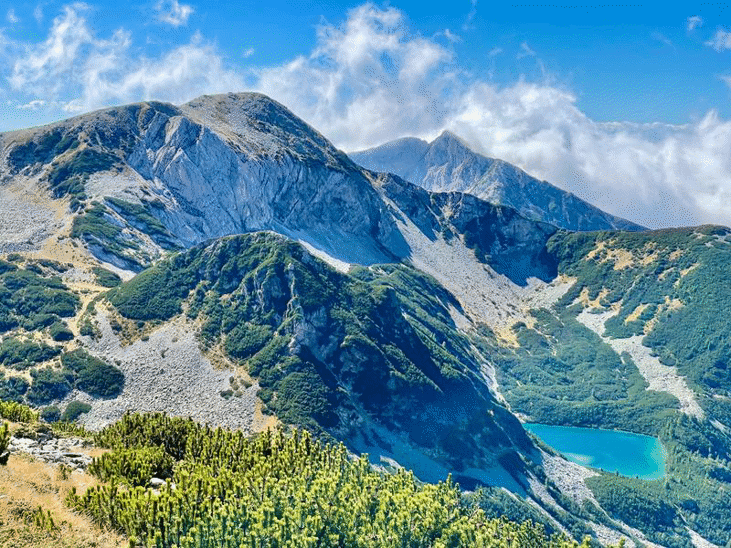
(372, 79)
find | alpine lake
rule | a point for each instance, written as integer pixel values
(624, 453)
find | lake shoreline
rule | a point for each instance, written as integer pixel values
(611, 451)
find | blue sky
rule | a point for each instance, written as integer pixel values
(627, 105)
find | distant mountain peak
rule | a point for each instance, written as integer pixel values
(448, 164)
(447, 136)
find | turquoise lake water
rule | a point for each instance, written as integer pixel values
(631, 455)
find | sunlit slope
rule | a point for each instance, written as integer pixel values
(372, 358)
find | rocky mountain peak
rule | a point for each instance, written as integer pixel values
(260, 125)
(447, 164)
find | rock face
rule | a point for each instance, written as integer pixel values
(150, 177)
(216, 166)
(448, 165)
(511, 244)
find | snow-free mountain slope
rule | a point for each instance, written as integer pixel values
(447, 316)
(447, 164)
(238, 175)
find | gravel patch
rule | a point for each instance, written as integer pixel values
(25, 218)
(659, 377)
(167, 373)
(569, 478)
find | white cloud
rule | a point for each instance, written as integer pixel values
(467, 25)
(33, 105)
(525, 51)
(74, 67)
(365, 79)
(173, 13)
(38, 13)
(721, 40)
(248, 53)
(660, 37)
(11, 17)
(43, 64)
(449, 35)
(694, 22)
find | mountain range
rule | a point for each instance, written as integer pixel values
(448, 165)
(418, 302)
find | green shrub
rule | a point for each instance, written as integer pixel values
(24, 354)
(49, 385)
(60, 332)
(135, 467)
(13, 388)
(101, 379)
(106, 278)
(155, 294)
(51, 413)
(93, 376)
(247, 339)
(17, 412)
(74, 410)
(4, 443)
(33, 301)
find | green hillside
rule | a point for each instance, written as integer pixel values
(376, 348)
(669, 288)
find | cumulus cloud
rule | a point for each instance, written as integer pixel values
(721, 40)
(11, 17)
(694, 22)
(43, 64)
(366, 78)
(173, 13)
(82, 71)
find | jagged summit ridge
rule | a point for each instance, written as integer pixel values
(447, 164)
(219, 165)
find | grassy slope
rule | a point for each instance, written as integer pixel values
(27, 484)
(669, 287)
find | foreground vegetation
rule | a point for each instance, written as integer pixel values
(170, 482)
(275, 490)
